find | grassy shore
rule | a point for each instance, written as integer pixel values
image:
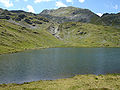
(79, 82)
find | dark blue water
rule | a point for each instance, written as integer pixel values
(54, 63)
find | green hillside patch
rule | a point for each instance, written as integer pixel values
(17, 38)
(88, 35)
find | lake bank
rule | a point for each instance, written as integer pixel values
(61, 46)
(84, 82)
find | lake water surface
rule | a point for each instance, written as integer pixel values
(54, 63)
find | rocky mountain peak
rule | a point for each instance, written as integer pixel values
(68, 14)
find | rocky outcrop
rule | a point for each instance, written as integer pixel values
(28, 21)
(54, 30)
(22, 18)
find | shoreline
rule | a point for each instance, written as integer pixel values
(112, 74)
(38, 48)
(87, 81)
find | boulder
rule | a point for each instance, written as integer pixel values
(28, 21)
(37, 22)
(22, 16)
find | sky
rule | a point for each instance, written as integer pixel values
(36, 6)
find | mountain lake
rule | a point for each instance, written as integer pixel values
(56, 63)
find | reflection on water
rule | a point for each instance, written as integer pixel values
(57, 63)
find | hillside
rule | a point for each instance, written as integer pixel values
(17, 38)
(78, 34)
(20, 30)
(23, 18)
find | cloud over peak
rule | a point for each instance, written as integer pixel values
(60, 4)
(30, 9)
(99, 14)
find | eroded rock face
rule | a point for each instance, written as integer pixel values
(54, 30)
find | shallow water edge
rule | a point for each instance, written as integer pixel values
(38, 48)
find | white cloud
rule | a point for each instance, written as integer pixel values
(30, 9)
(25, 0)
(38, 1)
(16, 0)
(6, 3)
(99, 14)
(81, 1)
(115, 7)
(60, 4)
(69, 0)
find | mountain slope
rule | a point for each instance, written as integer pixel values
(111, 19)
(16, 38)
(23, 18)
(88, 35)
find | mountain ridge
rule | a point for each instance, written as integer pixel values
(69, 14)
(73, 14)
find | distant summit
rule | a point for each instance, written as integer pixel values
(68, 14)
(111, 19)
